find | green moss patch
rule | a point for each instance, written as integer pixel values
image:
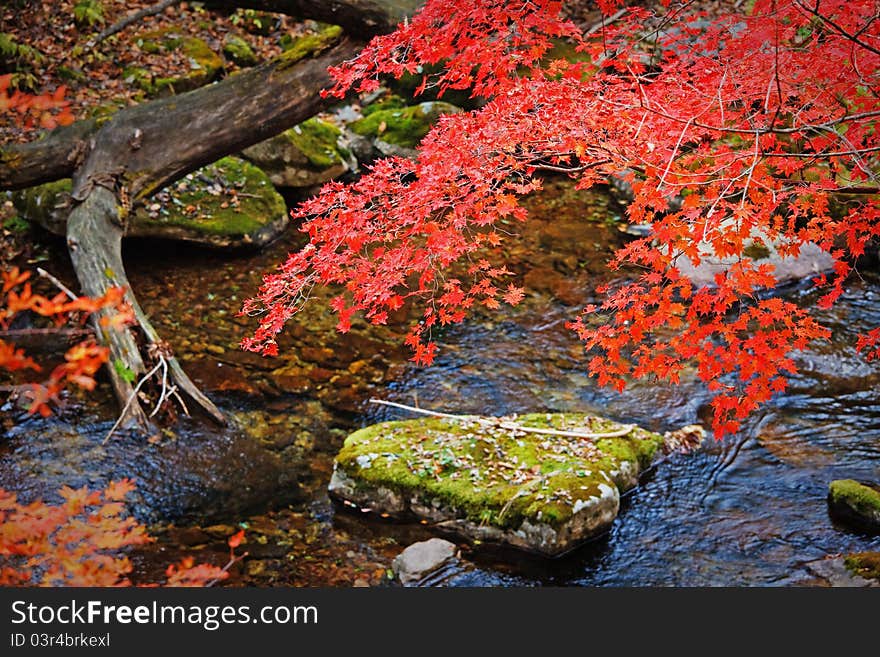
(855, 502)
(46, 205)
(388, 102)
(317, 140)
(205, 65)
(864, 564)
(405, 126)
(493, 475)
(229, 199)
(309, 45)
(238, 51)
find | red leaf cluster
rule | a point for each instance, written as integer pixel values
(44, 110)
(79, 542)
(727, 129)
(81, 361)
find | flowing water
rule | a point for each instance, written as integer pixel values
(750, 510)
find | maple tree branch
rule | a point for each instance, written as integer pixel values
(606, 21)
(837, 28)
(771, 130)
(134, 17)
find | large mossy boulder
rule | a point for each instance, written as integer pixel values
(485, 481)
(205, 65)
(227, 204)
(308, 154)
(855, 503)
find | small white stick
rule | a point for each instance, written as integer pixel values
(61, 286)
(504, 424)
(131, 398)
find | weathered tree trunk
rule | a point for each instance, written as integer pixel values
(94, 239)
(143, 148)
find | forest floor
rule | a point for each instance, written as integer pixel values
(46, 45)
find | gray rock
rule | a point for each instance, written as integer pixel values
(421, 559)
(834, 573)
(811, 261)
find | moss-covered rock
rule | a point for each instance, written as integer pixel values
(46, 205)
(864, 564)
(308, 154)
(205, 65)
(489, 481)
(855, 503)
(387, 102)
(238, 51)
(308, 45)
(228, 204)
(397, 131)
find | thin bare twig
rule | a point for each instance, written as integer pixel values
(59, 331)
(131, 398)
(507, 424)
(122, 23)
(61, 286)
(606, 21)
(226, 568)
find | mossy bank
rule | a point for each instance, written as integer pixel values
(488, 480)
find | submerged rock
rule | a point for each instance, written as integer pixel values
(855, 503)
(835, 572)
(422, 559)
(492, 480)
(865, 565)
(228, 204)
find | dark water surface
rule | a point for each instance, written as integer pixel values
(750, 510)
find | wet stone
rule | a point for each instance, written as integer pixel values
(421, 559)
(496, 482)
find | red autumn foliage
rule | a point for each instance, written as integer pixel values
(81, 361)
(77, 542)
(43, 110)
(725, 125)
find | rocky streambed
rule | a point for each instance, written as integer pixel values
(749, 511)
